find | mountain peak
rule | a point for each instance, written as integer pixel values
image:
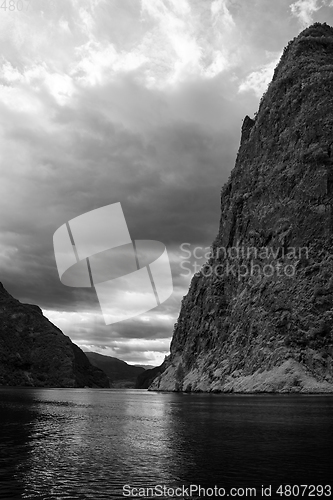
(317, 29)
(312, 45)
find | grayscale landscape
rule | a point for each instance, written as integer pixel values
(166, 239)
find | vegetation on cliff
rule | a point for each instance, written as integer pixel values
(259, 315)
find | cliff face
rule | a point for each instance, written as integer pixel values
(259, 315)
(35, 353)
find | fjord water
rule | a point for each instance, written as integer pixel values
(89, 443)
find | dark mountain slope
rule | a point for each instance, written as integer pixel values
(34, 352)
(115, 368)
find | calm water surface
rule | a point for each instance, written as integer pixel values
(89, 443)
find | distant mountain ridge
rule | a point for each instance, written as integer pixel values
(146, 367)
(116, 369)
(145, 378)
(241, 328)
(35, 353)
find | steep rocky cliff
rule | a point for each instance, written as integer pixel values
(259, 314)
(35, 353)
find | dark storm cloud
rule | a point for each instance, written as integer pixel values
(167, 177)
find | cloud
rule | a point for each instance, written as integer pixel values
(135, 352)
(258, 81)
(304, 10)
(145, 340)
(132, 102)
(159, 154)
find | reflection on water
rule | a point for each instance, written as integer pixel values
(87, 444)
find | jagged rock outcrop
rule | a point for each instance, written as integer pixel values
(259, 314)
(35, 353)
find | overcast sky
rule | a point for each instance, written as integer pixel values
(133, 101)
